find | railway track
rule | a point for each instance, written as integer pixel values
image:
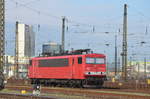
(74, 93)
(22, 96)
(107, 84)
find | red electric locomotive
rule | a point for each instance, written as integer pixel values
(72, 70)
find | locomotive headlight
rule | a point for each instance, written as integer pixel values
(93, 73)
(87, 73)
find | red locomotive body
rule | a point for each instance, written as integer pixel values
(88, 69)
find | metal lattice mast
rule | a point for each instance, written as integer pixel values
(16, 52)
(2, 33)
(124, 45)
(63, 35)
(116, 63)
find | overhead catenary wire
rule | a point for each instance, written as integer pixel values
(26, 3)
(139, 12)
(69, 21)
(48, 14)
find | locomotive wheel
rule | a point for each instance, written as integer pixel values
(101, 83)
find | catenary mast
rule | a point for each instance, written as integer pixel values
(2, 34)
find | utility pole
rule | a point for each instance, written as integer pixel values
(63, 35)
(131, 68)
(119, 65)
(145, 68)
(138, 70)
(116, 65)
(2, 34)
(124, 45)
(16, 52)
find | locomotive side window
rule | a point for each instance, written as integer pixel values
(54, 62)
(79, 60)
(72, 61)
(30, 62)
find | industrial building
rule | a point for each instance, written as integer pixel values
(51, 48)
(26, 41)
(25, 48)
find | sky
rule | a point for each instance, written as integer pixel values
(82, 16)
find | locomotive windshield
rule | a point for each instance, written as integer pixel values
(90, 60)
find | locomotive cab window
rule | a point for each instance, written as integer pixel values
(90, 60)
(79, 60)
(95, 60)
(99, 60)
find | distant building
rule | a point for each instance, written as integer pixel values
(9, 68)
(136, 69)
(26, 41)
(138, 66)
(51, 48)
(26, 47)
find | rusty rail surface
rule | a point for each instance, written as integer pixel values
(127, 85)
(107, 84)
(21, 96)
(96, 94)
